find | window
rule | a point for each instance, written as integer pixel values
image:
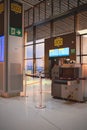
(29, 66)
(40, 50)
(34, 62)
(39, 65)
(28, 52)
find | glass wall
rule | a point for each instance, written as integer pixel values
(40, 57)
(29, 66)
(29, 59)
(39, 50)
(34, 60)
(29, 52)
(78, 49)
(84, 49)
(81, 49)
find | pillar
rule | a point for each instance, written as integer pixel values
(11, 48)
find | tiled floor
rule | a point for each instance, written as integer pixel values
(24, 113)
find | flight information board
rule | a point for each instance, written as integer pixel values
(60, 52)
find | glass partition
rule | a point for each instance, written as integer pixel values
(28, 52)
(29, 66)
(40, 50)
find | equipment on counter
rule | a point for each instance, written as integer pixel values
(70, 83)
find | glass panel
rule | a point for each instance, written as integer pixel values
(78, 59)
(28, 52)
(39, 65)
(84, 44)
(84, 59)
(78, 45)
(29, 43)
(40, 40)
(40, 50)
(29, 66)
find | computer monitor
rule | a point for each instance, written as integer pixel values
(60, 52)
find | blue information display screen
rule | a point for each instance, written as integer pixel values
(1, 48)
(63, 52)
(59, 52)
(53, 53)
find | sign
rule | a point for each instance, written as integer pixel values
(73, 51)
(15, 31)
(1, 7)
(1, 18)
(58, 41)
(15, 18)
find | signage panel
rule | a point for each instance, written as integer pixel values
(58, 41)
(15, 18)
(2, 17)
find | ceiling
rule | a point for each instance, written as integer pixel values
(29, 3)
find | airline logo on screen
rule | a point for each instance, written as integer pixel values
(58, 41)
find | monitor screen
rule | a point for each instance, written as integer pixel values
(60, 52)
(1, 48)
(63, 51)
(53, 53)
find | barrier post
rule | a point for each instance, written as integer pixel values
(24, 85)
(40, 104)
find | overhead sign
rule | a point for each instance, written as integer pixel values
(2, 18)
(15, 18)
(58, 41)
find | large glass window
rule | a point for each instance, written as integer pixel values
(40, 41)
(39, 65)
(84, 59)
(82, 54)
(78, 45)
(40, 50)
(29, 66)
(84, 44)
(29, 52)
(84, 49)
(78, 49)
(29, 43)
(40, 56)
(34, 61)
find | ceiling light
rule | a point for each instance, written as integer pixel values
(82, 31)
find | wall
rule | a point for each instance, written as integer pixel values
(69, 40)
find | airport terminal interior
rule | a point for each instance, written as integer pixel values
(43, 64)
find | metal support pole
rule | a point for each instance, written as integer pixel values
(40, 105)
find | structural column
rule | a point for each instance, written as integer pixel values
(11, 48)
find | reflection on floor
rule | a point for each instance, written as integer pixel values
(25, 113)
